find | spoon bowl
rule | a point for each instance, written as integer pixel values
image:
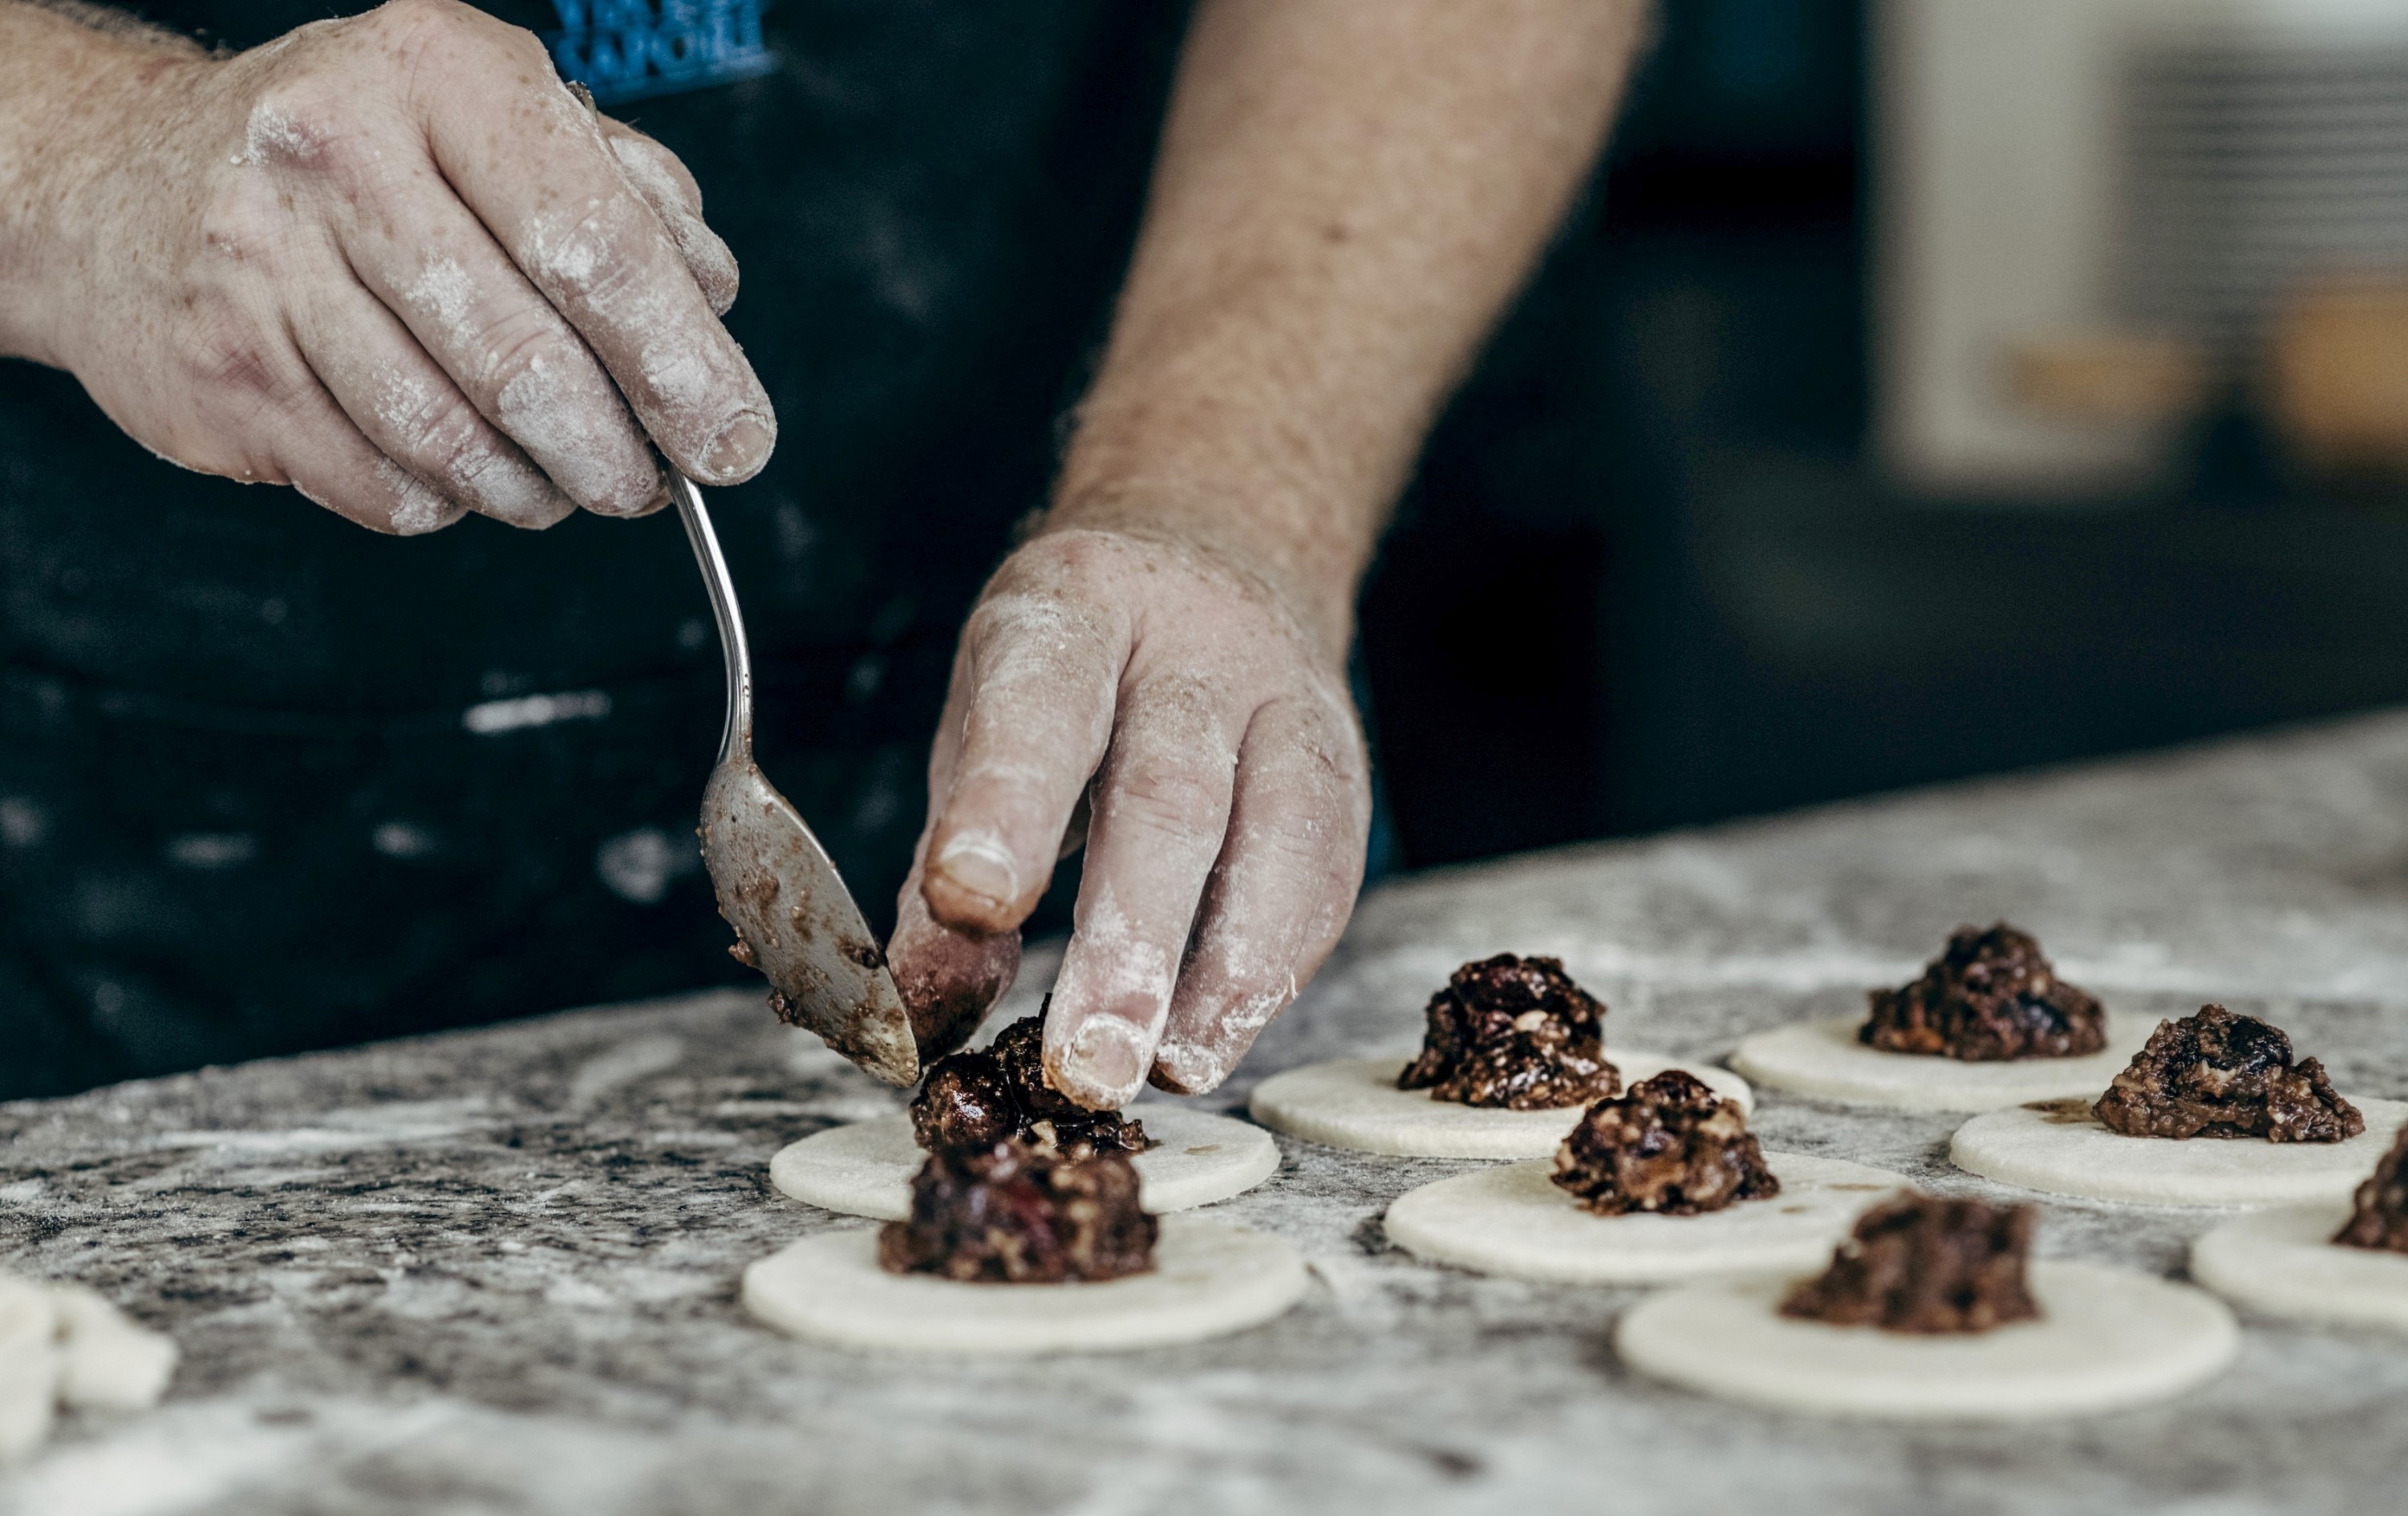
(795, 920)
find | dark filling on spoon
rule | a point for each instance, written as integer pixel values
(2380, 1217)
(2219, 1075)
(977, 1099)
(1989, 998)
(1670, 1146)
(1023, 1213)
(1514, 1033)
(1924, 1265)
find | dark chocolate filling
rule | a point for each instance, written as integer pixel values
(1990, 997)
(1670, 1145)
(2219, 1075)
(1514, 1033)
(978, 1099)
(1023, 1213)
(2380, 1218)
(1924, 1265)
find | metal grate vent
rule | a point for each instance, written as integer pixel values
(2251, 166)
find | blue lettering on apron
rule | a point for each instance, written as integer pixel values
(626, 49)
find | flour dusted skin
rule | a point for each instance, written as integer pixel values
(1924, 1265)
(1023, 1213)
(1514, 1034)
(1991, 997)
(975, 1100)
(1670, 1145)
(2220, 1075)
(2379, 1211)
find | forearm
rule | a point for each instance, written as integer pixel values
(62, 67)
(1347, 192)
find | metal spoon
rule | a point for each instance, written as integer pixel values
(795, 920)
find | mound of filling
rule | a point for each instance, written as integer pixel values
(1023, 1213)
(2379, 1217)
(2219, 1075)
(1989, 998)
(1670, 1145)
(1922, 1264)
(974, 1100)
(1514, 1033)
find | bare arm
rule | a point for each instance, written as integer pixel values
(1347, 192)
(390, 260)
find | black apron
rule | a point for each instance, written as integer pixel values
(269, 782)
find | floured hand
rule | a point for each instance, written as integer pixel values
(1170, 697)
(392, 260)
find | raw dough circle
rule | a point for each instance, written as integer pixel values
(1822, 1059)
(2284, 1263)
(1514, 1220)
(866, 1168)
(1210, 1278)
(1354, 1103)
(2107, 1337)
(2059, 1148)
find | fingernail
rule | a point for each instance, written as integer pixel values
(977, 862)
(1187, 1068)
(1105, 1057)
(741, 450)
(633, 495)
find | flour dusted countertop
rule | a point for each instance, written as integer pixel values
(495, 1272)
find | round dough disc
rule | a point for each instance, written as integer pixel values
(2059, 1148)
(1210, 1278)
(2284, 1263)
(1514, 1220)
(2107, 1337)
(866, 1168)
(1822, 1059)
(1354, 1103)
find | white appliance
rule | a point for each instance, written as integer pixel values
(2157, 169)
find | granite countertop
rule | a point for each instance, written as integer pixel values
(496, 1271)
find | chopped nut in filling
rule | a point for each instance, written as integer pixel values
(978, 1099)
(1023, 1213)
(1669, 1145)
(1990, 997)
(1516, 1033)
(2380, 1218)
(1922, 1264)
(2219, 1075)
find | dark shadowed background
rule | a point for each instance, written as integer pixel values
(1652, 572)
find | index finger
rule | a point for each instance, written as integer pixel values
(530, 161)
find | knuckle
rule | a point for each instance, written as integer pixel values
(417, 19)
(519, 350)
(233, 361)
(310, 124)
(430, 424)
(586, 257)
(1166, 796)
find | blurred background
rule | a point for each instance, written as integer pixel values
(1930, 388)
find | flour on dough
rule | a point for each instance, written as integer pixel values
(29, 1367)
(1210, 1278)
(1514, 1220)
(2061, 1149)
(1354, 1103)
(2107, 1339)
(64, 1345)
(1822, 1059)
(2284, 1263)
(866, 1168)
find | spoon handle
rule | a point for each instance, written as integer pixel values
(736, 738)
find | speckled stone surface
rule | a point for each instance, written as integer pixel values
(495, 1272)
